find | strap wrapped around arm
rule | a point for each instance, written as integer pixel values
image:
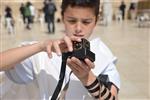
(100, 88)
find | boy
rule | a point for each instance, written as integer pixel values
(79, 18)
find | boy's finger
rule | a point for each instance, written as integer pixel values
(68, 43)
(89, 63)
(56, 47)
(48, 49)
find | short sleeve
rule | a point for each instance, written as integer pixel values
(22, 73)
(105, 62)
(113, 74)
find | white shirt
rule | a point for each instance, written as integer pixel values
(41, 74)
(32, 9)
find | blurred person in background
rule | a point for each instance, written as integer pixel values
(122, 8)
(49, 11)
(132, 10)
(9, 21)
(40, 17)
(107, 12)
(22, 12)
(33, 12)
(28, 15)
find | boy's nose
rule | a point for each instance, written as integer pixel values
(78, 28)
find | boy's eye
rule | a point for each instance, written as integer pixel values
(72, 21)
(86, 22)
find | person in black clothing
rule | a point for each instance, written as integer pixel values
(22, 12)
(8, 12)
(122, 9)
(49, 11)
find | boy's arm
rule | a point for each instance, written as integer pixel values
(9, 58)
(98, 90)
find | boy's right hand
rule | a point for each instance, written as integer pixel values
(59, 45)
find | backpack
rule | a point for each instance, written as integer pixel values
(51, 9)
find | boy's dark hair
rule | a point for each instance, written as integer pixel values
(81, 3)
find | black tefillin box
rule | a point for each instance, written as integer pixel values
(81, 50)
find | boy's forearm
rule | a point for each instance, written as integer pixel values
(10, 57)
(88, 79)
(99, 88)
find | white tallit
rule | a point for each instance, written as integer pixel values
(39, 76)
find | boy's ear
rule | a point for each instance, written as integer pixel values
(98, 17)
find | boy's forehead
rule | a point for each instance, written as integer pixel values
(81, 13)
(79, 8)
(77, 11)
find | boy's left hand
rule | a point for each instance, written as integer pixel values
(80, 69)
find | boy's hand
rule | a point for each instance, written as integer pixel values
(79, 68)
(58, 46)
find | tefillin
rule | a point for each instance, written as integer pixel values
(81, 50)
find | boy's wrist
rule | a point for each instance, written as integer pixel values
(42, 46)
(89, 79)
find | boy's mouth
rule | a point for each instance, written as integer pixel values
(80, 36)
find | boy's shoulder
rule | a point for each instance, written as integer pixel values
(97, 45)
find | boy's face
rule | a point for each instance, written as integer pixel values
(79, 22)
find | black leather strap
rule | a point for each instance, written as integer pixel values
(96, 97)
(108, 97)
(95, 89)
(64, 90)
(61, 76)
(103, 92)
(92, 85)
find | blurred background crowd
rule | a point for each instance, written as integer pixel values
(25, 12)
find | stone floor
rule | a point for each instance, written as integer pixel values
(128, 42)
